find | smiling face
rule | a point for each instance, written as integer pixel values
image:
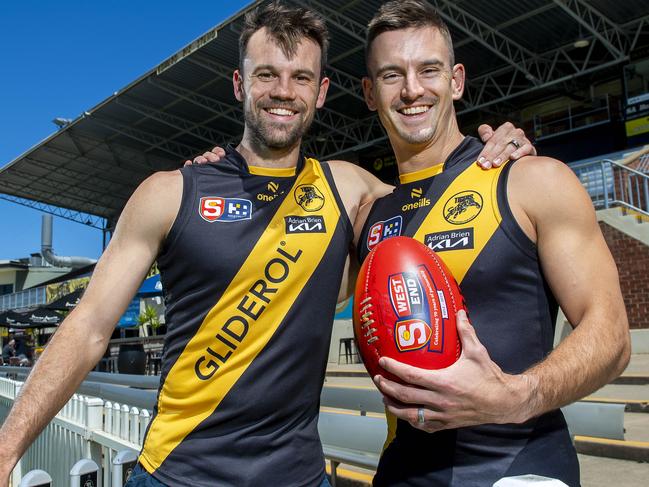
(412, 85)
(280, 94)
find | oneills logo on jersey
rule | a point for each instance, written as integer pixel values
(305, 224)
(250, 307)
(217, 209)
(309, 197)
(412, 334)
(416, 193)
(272, 187)
(384, 229)
(450, 240)
(463, 207)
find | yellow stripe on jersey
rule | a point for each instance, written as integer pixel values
(242, 322)
(473, 186)
(277, 172)
(469, 201)
(429, 172)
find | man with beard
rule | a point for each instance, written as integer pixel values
(515, 251)
(251, 253)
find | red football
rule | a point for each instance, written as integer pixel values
(405, 304)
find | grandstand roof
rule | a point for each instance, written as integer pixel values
(516, 51)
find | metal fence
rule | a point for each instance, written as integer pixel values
(611, 184)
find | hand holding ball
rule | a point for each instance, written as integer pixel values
(404, 307)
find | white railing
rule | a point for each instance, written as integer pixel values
(86, 427)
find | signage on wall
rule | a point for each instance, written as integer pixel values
(637, 115)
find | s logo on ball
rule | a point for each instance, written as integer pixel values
(412, 334)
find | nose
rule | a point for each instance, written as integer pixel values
(412, 88)
(283, 89)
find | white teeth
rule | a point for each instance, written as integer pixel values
(280, 111)
(414, 110)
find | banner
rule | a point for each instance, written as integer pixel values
(60, 289)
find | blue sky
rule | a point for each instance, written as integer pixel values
(59, 58)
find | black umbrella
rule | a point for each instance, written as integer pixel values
(66, 302)
(42, 316)
(33, 318)
(12, 319)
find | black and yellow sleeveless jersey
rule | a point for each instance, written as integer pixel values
(461, 212)
(250, 270)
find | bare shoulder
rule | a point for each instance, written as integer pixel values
(542, 174)
(155, 203)
(545, 188)
(162, 180)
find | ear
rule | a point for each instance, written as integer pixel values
(367, 92)
(457, 82)
(322, 93)
(237, 84)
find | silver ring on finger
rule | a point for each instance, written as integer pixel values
(515, 143)
(420, 416)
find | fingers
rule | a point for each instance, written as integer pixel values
(499, 146)
(215, 155)
(219, 151)
(211, 156)
(495, 148)
(404, 393)
(465, 331)
(407, 373)
(526, 149)
(411, 414)
(486, 132)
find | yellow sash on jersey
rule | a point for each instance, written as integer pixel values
(285, 262)
(475, 185)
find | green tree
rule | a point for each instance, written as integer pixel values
(149, 317)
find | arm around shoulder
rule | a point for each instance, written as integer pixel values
(82, 338)
(554, 209)
(356, 186)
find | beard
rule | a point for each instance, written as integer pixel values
(417, 138)
(276, 135)
(423, 135)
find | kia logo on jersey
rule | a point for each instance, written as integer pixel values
(215, 208)
(405, 294)
(412, 334)
(384, 229)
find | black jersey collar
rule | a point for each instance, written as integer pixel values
(465, 150)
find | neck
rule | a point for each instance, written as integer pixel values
(259, 155)
(416, 157)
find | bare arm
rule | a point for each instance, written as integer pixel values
(582, 274)
(82, 338)
(358, 189)
(583, 277)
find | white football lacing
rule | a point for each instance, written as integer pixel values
(366, 318)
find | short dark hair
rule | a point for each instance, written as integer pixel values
(406, 14)
(287, 26)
